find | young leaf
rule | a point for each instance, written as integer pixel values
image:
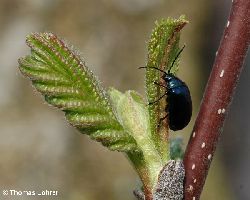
(131, 111)
(162, 50)
(66, 83)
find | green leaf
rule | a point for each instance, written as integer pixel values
(62, 77)
(162, 50)
(132, 113)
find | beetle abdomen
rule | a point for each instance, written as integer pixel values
(179, 107)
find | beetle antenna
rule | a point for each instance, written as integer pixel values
(154, 68)
(176, 57)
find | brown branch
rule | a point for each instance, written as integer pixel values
(216, 101)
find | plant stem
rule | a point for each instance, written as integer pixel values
(217, 98)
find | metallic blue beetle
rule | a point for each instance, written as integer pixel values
(179, 102)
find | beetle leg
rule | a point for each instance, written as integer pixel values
(160, 84)
(150, 103)
(161, 119)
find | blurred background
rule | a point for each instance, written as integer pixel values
(40, 150)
